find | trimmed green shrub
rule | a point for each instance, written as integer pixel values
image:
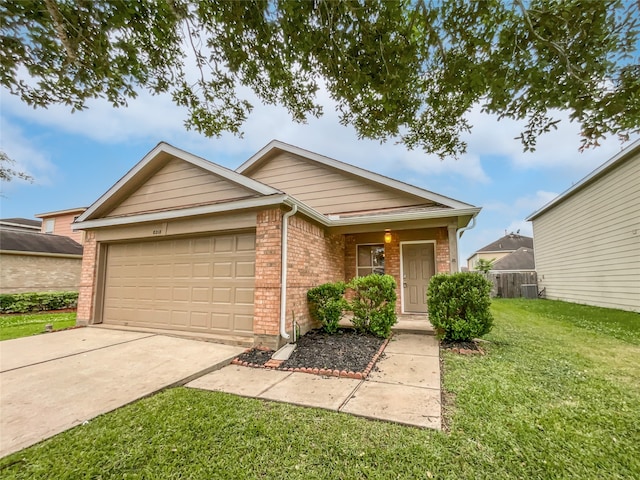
(373, 304)
(326, 304)
(37, 302)
(458, 305)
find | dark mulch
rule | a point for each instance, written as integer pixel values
(346, 350)
(256, 356)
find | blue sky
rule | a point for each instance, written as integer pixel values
(76, 157)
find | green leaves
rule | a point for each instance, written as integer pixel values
(326, 304)
(403, 70)
(459, 305)
(373, 304)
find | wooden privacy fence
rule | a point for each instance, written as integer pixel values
(508, 284)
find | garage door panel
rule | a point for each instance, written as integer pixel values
(244, 296)
(196, 284)
(245, 243)
(223, 245)
(245, 269)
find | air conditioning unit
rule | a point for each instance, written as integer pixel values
(529, 290)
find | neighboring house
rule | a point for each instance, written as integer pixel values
(59, 223)
(20, 224)
(500, 249)
(522, 260)
(587, 240)
(182, 244)
(34, 262)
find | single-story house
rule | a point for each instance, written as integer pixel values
(183, 244)
(500, 248)
(34, 262)
(587, 240)
(20, 224)
(522, 260)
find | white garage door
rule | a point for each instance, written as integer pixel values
(201, 284)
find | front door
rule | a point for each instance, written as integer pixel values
(418, 265)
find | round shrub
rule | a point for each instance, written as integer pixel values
(326, 304)
(373, 304)
(458, 305)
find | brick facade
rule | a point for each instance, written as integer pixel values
(88, 280)
(313, 258)
(24, 272)
(392, 252)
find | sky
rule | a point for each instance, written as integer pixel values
(76, 157)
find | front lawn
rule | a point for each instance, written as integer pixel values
(15, 326)
(556, 396)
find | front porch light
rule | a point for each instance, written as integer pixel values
(387, 236)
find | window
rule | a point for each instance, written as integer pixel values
(370, 259)
(48, 225)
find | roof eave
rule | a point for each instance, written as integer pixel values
(268, 200)
(166, 148)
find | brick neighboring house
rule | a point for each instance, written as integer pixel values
(182, 244)
(33, 262)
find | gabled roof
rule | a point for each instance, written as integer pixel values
(14, 241)
(508, 243)
(263, 195)
(521, 259)
(275, 146)
(602, 170)
(153, 159)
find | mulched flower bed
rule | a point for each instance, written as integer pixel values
(346, 353)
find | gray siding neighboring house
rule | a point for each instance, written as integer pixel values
(587, 240)
(36, 262)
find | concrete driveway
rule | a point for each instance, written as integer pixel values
(50, 383)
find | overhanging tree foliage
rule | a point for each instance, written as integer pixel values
(408, 70)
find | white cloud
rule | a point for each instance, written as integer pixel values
(27, 159)
(533, 202)
(558, 149)
(156, 118)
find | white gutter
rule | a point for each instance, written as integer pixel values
(283, 272)
(459, 235)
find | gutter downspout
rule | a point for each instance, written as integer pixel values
(283, 271)
(459, 235)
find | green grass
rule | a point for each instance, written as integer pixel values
(16, 326)
(556, 396)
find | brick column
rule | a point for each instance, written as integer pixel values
(443, 258)
(86, 289)
(266, 316)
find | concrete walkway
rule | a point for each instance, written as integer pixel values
(404, 388)
(50, 383)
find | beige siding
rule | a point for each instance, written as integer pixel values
(38, 273)
(588, 247)
(325, 189)
(176, 185)
(473, 261)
